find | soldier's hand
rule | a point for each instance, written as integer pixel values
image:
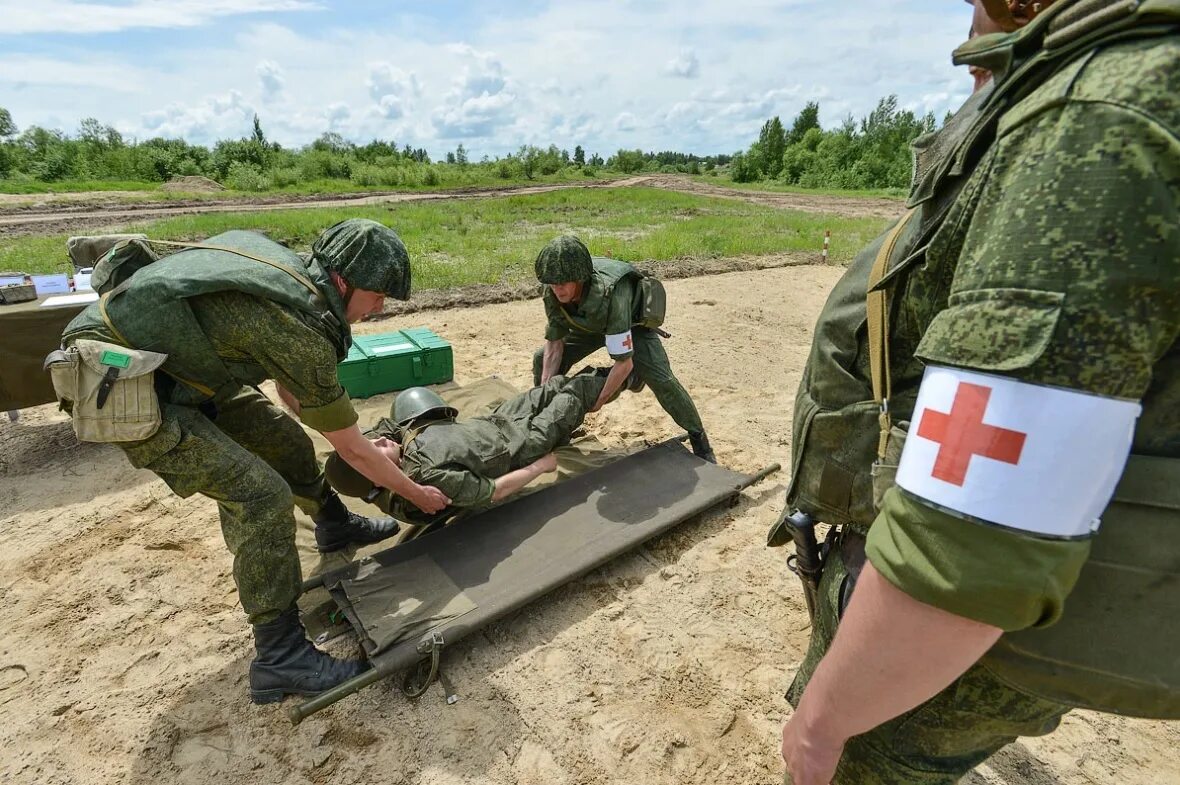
(428, 499)
(809, 761)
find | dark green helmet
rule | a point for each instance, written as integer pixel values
(368, 255)
(563, 260)
(416, 402)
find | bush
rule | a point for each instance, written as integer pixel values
(370, 176)
(430, 178)
(286, 177)
(246, 177)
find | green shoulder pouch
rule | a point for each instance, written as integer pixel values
(653, 303)
(110, 389)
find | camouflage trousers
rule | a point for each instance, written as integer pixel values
(938, 742)
(651, 361)
(256, 462)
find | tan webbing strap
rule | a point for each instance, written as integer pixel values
(877, 311)
(570, 319)
(311, 287)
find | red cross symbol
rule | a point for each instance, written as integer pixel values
(963, 434)
(627, 342)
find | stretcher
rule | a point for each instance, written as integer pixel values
(407, 603)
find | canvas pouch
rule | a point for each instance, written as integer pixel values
(110, 390)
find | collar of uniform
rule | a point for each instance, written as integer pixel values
(996, 52)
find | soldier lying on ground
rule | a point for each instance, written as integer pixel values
(478, 461)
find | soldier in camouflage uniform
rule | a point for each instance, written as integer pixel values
(592, 302)
(478, 461)
(1043, 315)
(229, 314)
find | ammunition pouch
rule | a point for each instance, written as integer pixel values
(109, 388)
(653, 303)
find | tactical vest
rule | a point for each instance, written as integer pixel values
(854, 399)
(150, 310)
(595, 304)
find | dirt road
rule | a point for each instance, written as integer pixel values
(80, 213)
(125, 654)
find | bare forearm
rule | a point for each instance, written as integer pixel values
(891, 653)
(510, 483)
(551, 359)
(614, 380)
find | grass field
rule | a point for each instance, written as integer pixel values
(460, 242)
(473, 177)
(776, 187)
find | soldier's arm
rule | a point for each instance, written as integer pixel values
(551, 359)
(362, 455)
(620, 344)
(513, 481)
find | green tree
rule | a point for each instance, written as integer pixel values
(461, 155)
(7, 127)
(807, 119)
(772, 142)
(258, 137)
(579, 156)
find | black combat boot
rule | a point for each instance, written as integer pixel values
(336, 527)
(700, 446)
(288, 664)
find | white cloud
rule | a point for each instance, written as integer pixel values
(67, 16)
(270, 76)
(391, 89)
(222, 116)
(625, 122)
(480, 100)
(685, 65)
(27, 70)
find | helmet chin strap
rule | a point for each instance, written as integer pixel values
(1011, 15)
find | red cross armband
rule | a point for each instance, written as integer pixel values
(1036, 459)
(620, 343)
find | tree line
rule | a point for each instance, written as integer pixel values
(871, 153)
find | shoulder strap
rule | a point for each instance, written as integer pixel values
(307, 284)
(877, 311)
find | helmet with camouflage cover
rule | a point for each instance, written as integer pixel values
(366, 254)
(415, 402)
(564, 259)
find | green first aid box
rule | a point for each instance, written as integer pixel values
(394, 361)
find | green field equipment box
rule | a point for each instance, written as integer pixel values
(394, 361)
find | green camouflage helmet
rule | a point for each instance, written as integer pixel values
(368, 255)
(564, 259)
(416, 402)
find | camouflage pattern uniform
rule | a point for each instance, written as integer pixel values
(462, 459)
(608, 307)
(1058, 265)
(234, 445)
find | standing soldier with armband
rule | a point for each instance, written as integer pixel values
(990, 417)
(591, 302)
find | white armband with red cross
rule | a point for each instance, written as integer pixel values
(1043, 460)
(619, 343)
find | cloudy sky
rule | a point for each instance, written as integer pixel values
(691, 75)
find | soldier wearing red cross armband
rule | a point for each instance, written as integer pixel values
(990, 418)
(591, 302)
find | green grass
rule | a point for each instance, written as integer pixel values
(71, 186)
(460, 242)
(777, 187)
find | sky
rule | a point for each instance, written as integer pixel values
(693, 76)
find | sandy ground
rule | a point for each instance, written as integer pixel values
(124, 657)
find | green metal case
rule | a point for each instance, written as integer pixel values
(394, 361)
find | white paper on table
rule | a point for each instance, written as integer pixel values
(11, 280)
(82, 279)
(51, 284)
(70, 299)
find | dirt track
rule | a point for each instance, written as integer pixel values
(78, 213)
